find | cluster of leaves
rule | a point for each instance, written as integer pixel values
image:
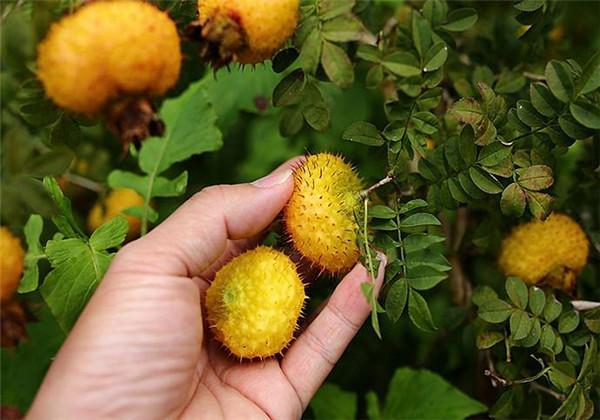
(411, 394)
(185, 136)
(324, 25)
(564, 342)
(78, 262)
(410, 238)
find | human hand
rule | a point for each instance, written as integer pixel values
(139, 349)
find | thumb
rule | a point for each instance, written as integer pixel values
(196, 234)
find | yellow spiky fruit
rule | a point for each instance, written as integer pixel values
(113, 204)
(254, 302)
(320, 216)
(12, 256)
(246, 31)
(553, 251)
(108, 50)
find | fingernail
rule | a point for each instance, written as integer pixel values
(273, 179)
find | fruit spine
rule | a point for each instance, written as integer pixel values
(254, 303)
(320, 216)
(245, 31)
(553, 251)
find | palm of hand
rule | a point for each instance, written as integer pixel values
(140, 349)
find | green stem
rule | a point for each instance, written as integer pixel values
(402, 255)
(366, 241)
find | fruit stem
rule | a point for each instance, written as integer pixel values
(84, 182)
(364, 194)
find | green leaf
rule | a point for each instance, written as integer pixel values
(421, 394)
(53, 162)
(527, 113)
(373, 410)
(65, 131)
(283, 59)
(590, 76)
(482, 294)
(589, 357)
(363, 132)
(552, 309)
(369, 53)
(402, 64)
(310, 56)
(24, 366)
(421, 33)
(562, 375)
(419, 219)
(337, 65)
(328, 9)
(460, 20)
(540, 204)
(513, 200)
(162, 187)
(186, 134)
(572, 128)
(332, 402)
(374, 76)
(344, 28)
(529, 5)
(65, 220)
(424, 277)
(412, 205)
(488, 339)
(396, 298)
(420, 241)
(484, 181)
(77, 270)
(379, 211)
(456, 190)
(520, 325)
(517, 291)
(504, 406)
(435, 57)
(425, 122)
(32, 230)
(586, 113)
(536, 178)
(466, 110)
(547, 338)
(110, 234)
(560, 82)
(466, 145)
(419, 313)
(494, 310)
(572, 355)
(317, 116)
(485, 133)
(435, 11)
(287, 92)
(568, 322)
(537, 300)
(543, 101)
(493, 153)
(534, 335)
(509, 82)
(469, 186)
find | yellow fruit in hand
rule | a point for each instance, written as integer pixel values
(246, 31)
(553, 251)
(321, 214)
(108, 50)
(254, 302)
(11, 263)
(113, 204)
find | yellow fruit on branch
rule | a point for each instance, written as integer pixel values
(254, 303)
(245, 31)
(115, 202)
(553, 251)
(109, 56)
(12, 256)
(320, 216)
